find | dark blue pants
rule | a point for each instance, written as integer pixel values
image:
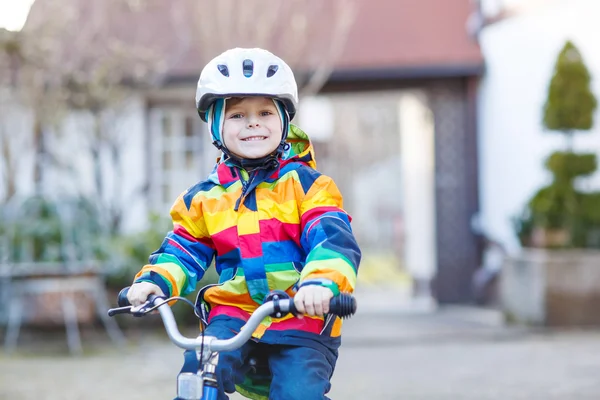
(297, 372)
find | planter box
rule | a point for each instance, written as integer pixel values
(552, 287)
(39, 289)
(42, 298)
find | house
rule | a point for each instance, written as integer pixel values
(398, 113)
(520, 51)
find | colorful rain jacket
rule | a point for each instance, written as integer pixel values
(268, 230)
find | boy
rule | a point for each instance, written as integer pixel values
(272, 222)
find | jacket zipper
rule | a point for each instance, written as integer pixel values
(245, 185)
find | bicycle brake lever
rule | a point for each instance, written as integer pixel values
(138, 311)
(141, 310)
(119, 310)
(148, 306)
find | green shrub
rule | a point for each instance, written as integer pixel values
(560, 208)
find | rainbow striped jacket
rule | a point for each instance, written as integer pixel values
(268, 230)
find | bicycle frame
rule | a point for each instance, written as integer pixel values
(190, 385)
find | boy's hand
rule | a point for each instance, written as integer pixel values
(139, 292)
(313, 300)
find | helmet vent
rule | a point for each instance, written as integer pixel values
(223, 69)
(271, 71)
(248, 67)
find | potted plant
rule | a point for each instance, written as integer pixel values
(555, 280)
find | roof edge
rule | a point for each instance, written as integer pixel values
(416, 72)
(378, 74)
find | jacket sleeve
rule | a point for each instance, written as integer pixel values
(185, 254)
(333, 255)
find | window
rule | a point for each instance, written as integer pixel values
(181, 154)
(166, 126)
(189, 127)
(166, 162)
(189, 158)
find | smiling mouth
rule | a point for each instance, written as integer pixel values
(254, 138)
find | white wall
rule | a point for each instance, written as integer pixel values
(123, 186)
(15, 121)
(133, 179)
(418, 185)
(72, 171)
(520, 53)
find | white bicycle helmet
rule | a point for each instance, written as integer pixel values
(246, 72)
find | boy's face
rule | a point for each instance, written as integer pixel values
(252, 127)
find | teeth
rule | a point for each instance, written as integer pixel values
(253, 138)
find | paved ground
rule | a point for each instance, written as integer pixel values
(451, 354)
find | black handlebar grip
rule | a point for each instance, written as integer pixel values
(343, 305)
(122, 297)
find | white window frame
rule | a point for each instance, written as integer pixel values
(168, 182)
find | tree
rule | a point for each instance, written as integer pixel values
(570, 104)
(54, 72)
(309, 35)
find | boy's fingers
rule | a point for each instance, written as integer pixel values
(139, 292)
(325, 304)
(318, 303)
(132, 296)
(299, 303)
(309, 303)
(313, 301)
(327, 296)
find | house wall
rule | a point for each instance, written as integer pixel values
(16, 128)
(400, 157)
(520, 53)
(68, 167)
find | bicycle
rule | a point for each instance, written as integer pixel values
(203, 384)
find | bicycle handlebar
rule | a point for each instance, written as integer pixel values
(343, 305)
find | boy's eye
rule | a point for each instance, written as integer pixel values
(235, 116)
(265, 113)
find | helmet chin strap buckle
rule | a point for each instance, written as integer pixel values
(273, 163)
(218, 144)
